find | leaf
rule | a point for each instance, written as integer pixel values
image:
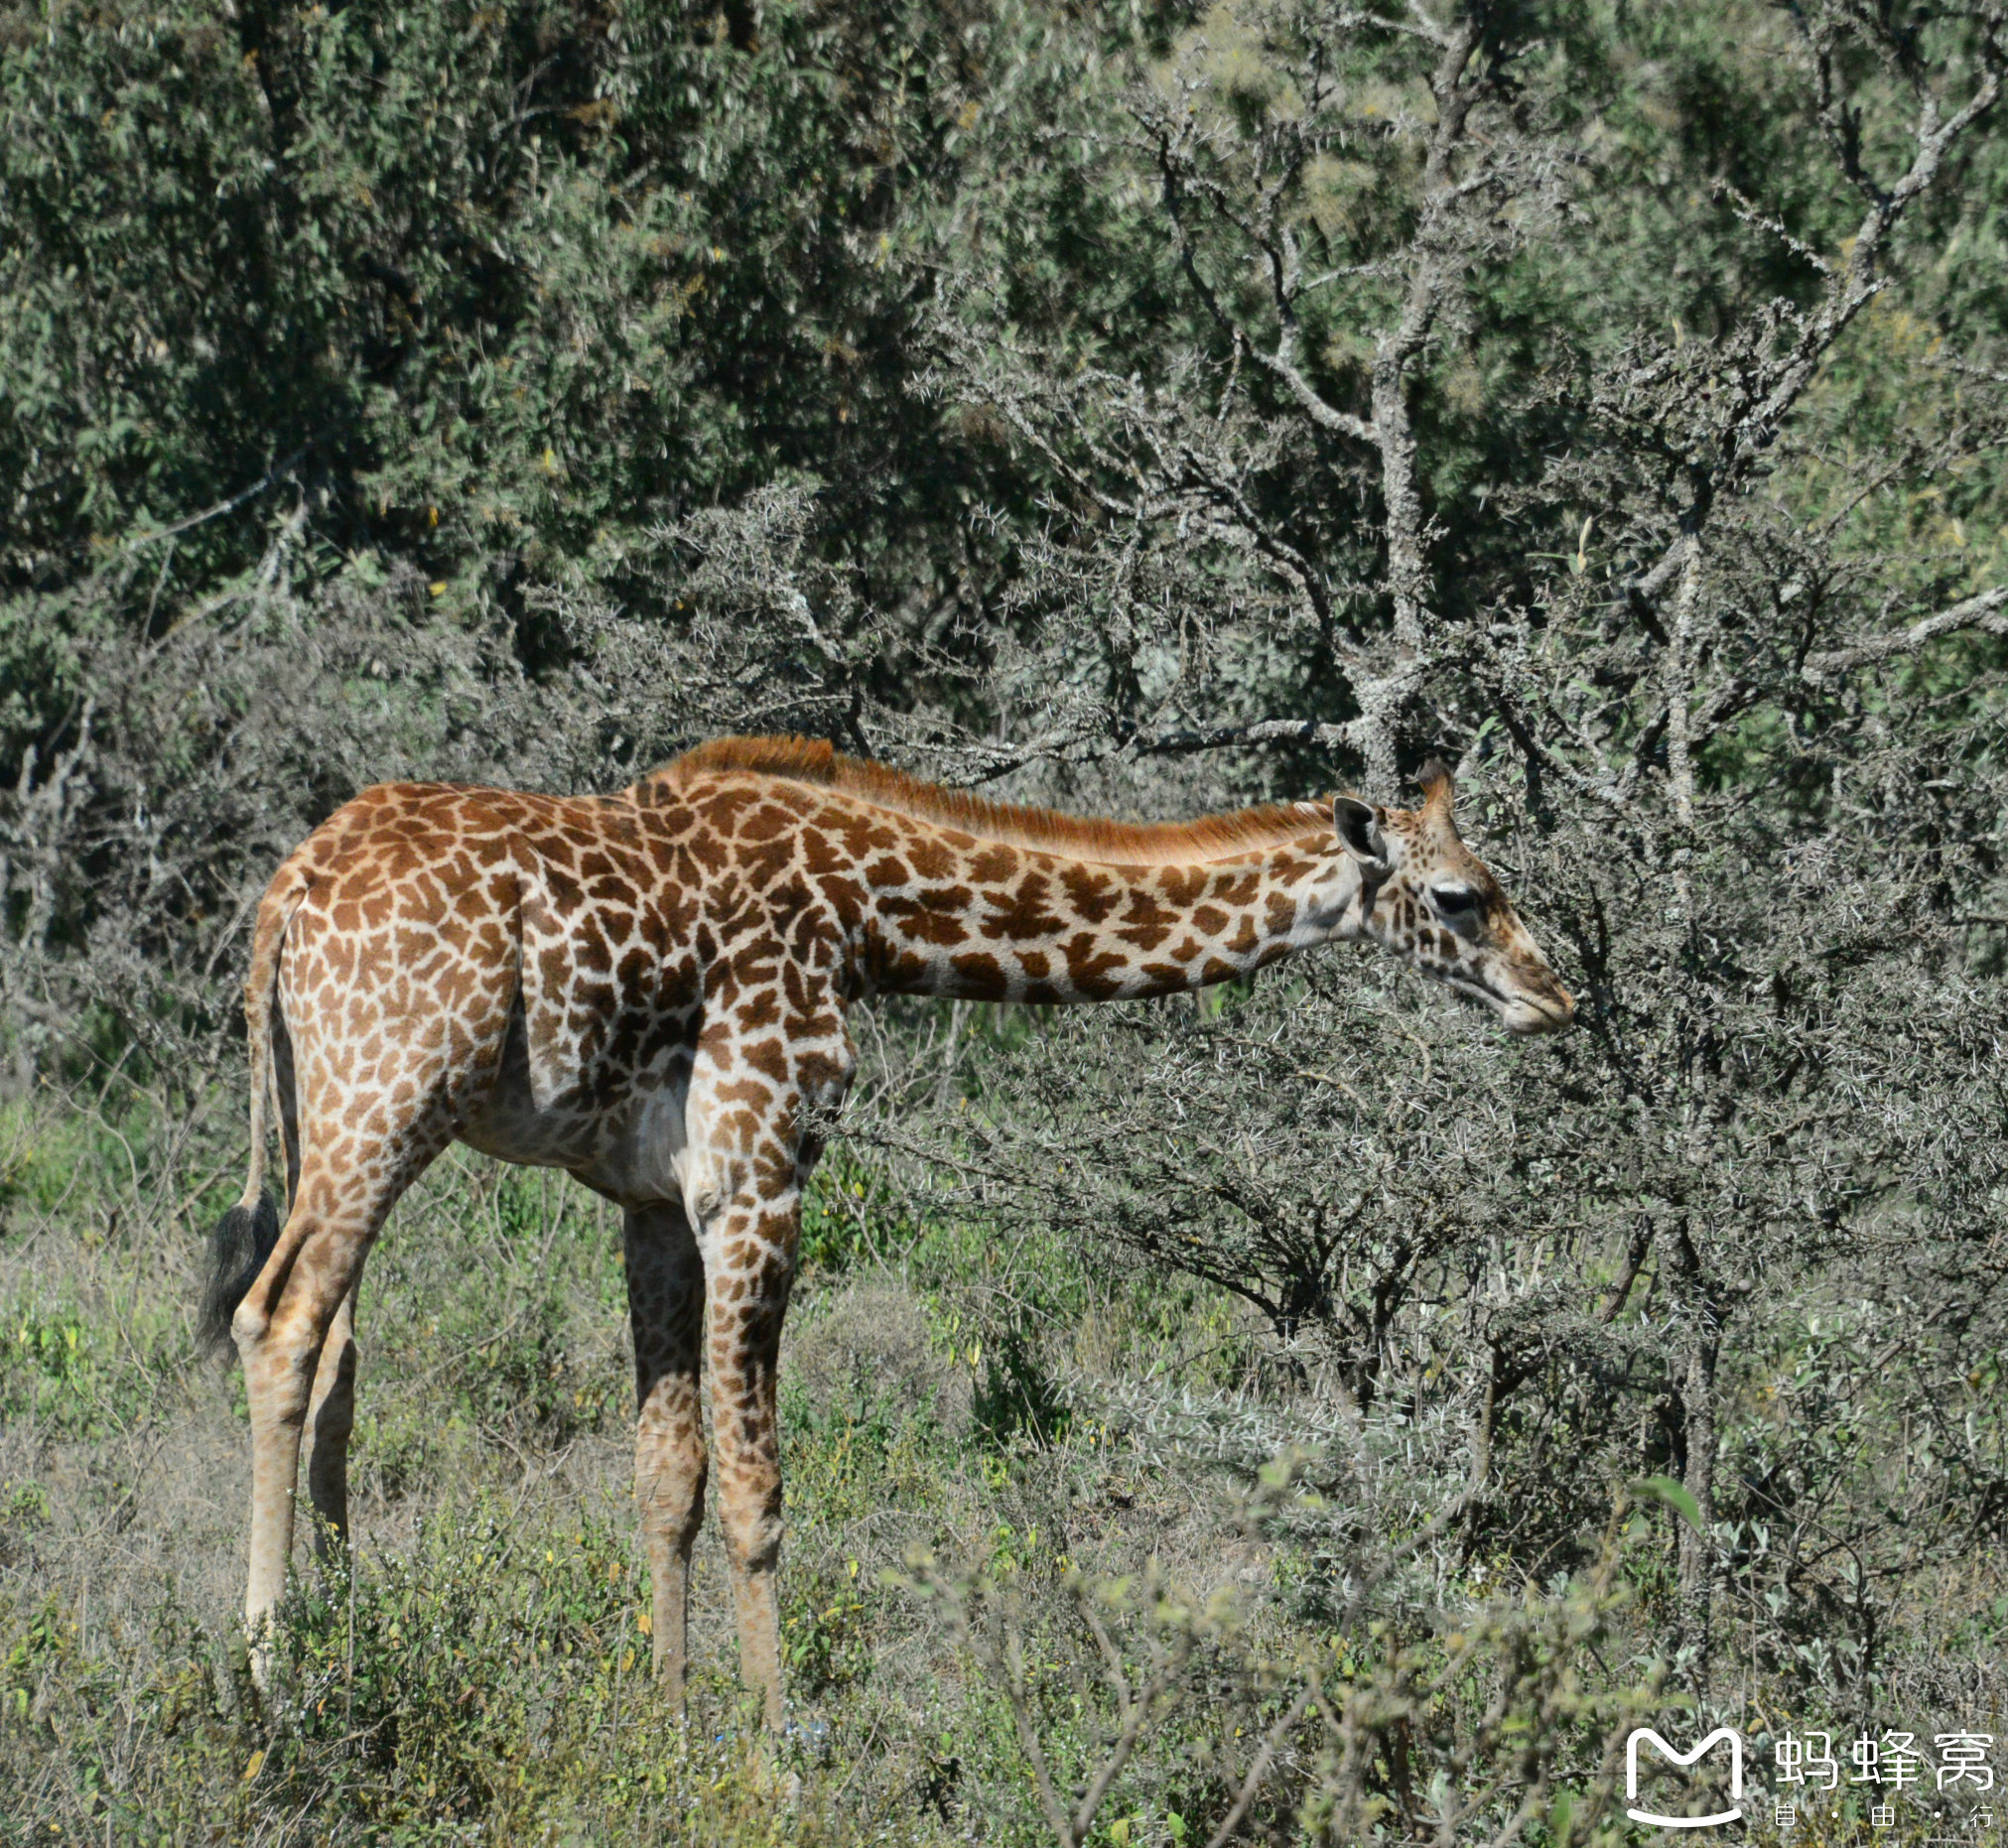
(1668, 1493)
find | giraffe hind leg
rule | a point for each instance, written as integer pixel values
(665, 1306)
(331, 1416)
(282, 1329)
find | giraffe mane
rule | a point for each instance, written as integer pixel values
(1072, 837)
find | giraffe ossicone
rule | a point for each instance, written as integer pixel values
(648, 991)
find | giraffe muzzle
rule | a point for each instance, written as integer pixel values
(1531, 1016)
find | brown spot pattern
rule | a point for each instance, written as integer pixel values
(648, 991)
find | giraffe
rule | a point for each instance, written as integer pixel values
(648, 990)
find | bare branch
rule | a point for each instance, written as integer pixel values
(1986, 614)
(1259, 1768)
(272, 477)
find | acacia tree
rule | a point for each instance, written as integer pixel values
(1726, 705)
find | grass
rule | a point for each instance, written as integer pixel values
(482, 1673)
(999, 1570)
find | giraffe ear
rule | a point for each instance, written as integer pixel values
(1358, 826)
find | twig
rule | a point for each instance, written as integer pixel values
(1257, 1771)
(272, 476)
(1987, 613)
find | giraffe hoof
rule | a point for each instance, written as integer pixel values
(250, 1660)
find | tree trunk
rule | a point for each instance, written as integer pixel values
(1699, 1332)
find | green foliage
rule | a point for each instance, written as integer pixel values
(850, 1216)
(1368, 1719)
(509, 1327)
(81, 1372)
(514, 278)
(485, 1665)
(1668, 1493)
(485, 1684)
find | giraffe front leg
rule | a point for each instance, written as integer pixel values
(752, 1147)
(747, 1296)
(331, 1416)
(665, 1309)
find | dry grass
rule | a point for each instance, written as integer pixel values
(1040, 1584)
(491, 1479)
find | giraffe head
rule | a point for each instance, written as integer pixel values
(1427, 897)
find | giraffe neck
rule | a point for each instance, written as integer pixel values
(1008, 924)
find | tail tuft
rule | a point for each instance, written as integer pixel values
(238, 1247)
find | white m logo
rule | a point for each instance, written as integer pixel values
(1685, 1759)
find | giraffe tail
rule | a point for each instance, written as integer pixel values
(245, 1235)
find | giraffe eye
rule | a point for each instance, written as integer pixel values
(1454, 902)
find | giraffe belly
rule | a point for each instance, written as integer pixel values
(633, 1152)
(629, 1147)
(644, 1157)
